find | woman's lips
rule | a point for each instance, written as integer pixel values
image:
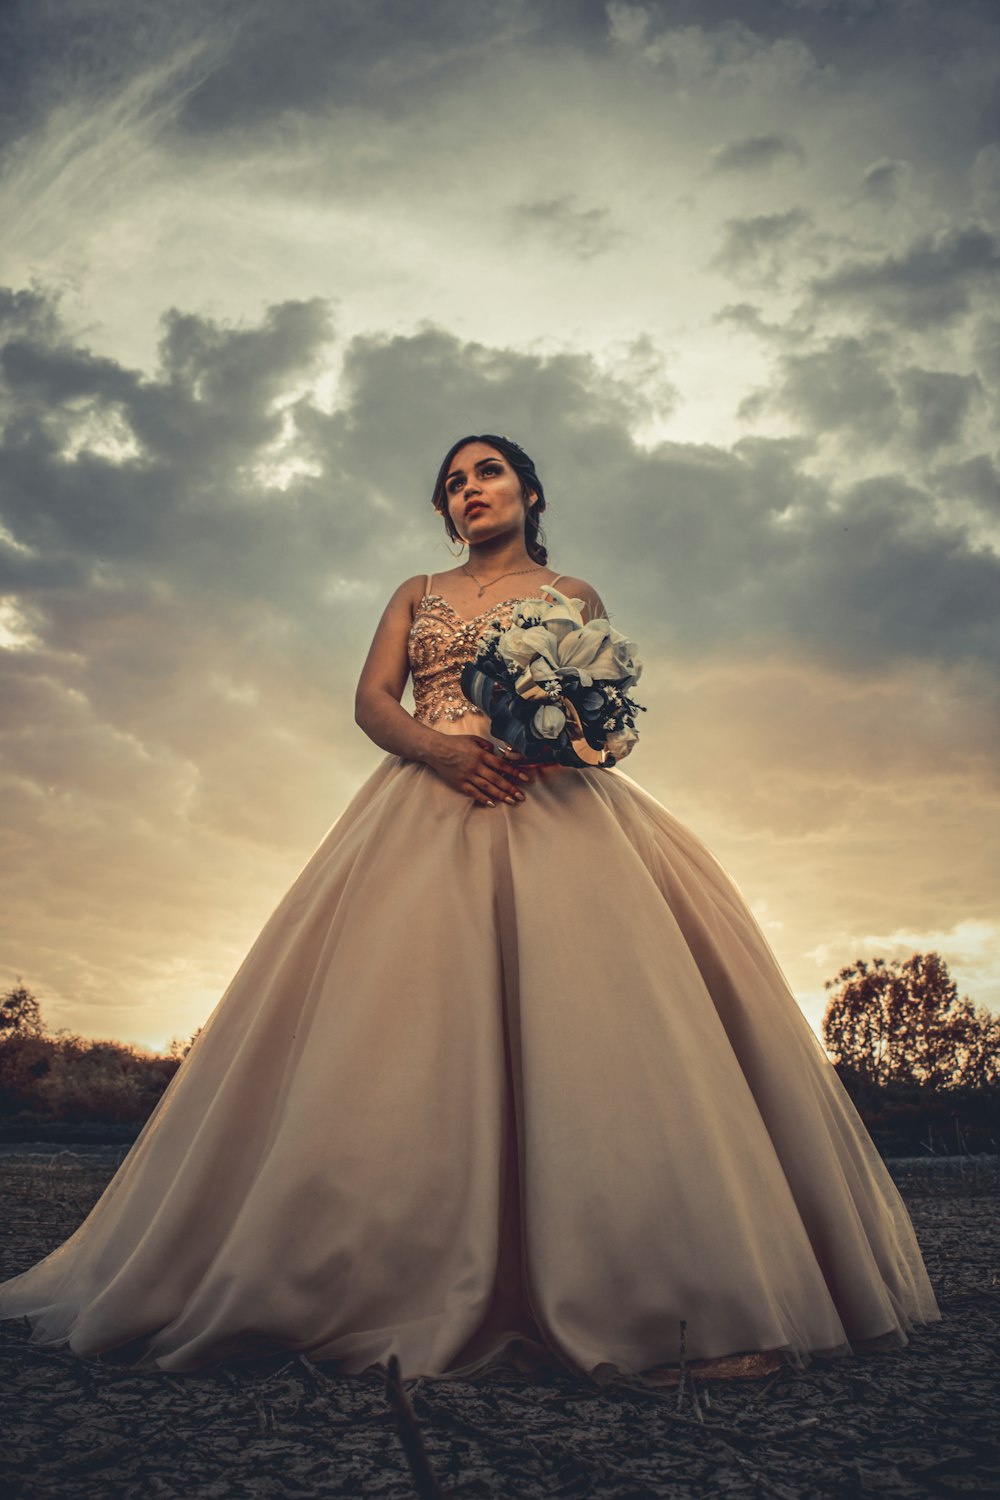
(471, 510)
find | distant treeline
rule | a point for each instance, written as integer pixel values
(59, 1079)
(921, 1065)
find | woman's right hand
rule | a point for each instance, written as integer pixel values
(471, 764)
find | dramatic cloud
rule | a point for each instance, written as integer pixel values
(731, 57)
(842, 385)
(976, 479)
(756, 246)
(885, 180)
(581, 232)
(756, 152)
(939, 403)
(932, 282)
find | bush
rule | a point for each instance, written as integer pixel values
(103, 1081)
(913, 1119)
(65, 1078)
(25, 1059)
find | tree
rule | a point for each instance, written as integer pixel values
(903, 1022)
(179, 1048)
(20, 1013)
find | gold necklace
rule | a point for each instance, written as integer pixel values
(514, 572)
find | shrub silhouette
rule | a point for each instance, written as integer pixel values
(24, 1062)
(103, 1081)
(65, 1077)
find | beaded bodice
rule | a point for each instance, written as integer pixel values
(440, 643)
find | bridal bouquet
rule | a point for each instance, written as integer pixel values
(555, 688)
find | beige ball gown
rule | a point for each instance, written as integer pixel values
(523, 1083)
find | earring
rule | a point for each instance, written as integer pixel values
(460, 550)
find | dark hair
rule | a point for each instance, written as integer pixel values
(534, 537)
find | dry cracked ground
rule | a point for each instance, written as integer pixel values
(916, 1421)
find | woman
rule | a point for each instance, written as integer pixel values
(510, 1073)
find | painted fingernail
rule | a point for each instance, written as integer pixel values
(489, 803)
(524, 777)
(511, 800)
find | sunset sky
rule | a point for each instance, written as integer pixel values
(729, 272)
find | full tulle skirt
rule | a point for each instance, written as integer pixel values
(491, 1080)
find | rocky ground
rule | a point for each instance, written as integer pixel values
(916, 1421)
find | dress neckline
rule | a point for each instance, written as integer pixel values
(515, 599)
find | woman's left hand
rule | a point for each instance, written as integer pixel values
(525, 767)
(542, 768)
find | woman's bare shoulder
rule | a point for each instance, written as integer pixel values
(568, 584)
(409, 593)
(579, 588)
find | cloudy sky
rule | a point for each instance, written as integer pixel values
(728, 271)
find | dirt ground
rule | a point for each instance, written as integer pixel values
(917, 1421)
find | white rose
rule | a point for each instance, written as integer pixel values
(549, 721)
(628, 663)
(620, 743)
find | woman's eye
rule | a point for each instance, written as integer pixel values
(457, 482)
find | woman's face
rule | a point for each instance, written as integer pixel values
(483, 494)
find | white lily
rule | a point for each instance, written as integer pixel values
(563, 644)
(519, 646)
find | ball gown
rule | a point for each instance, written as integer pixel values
(519, 1084)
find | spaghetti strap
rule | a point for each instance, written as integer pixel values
(427, 584)
(555, 580)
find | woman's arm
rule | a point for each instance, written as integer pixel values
(377, 709)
